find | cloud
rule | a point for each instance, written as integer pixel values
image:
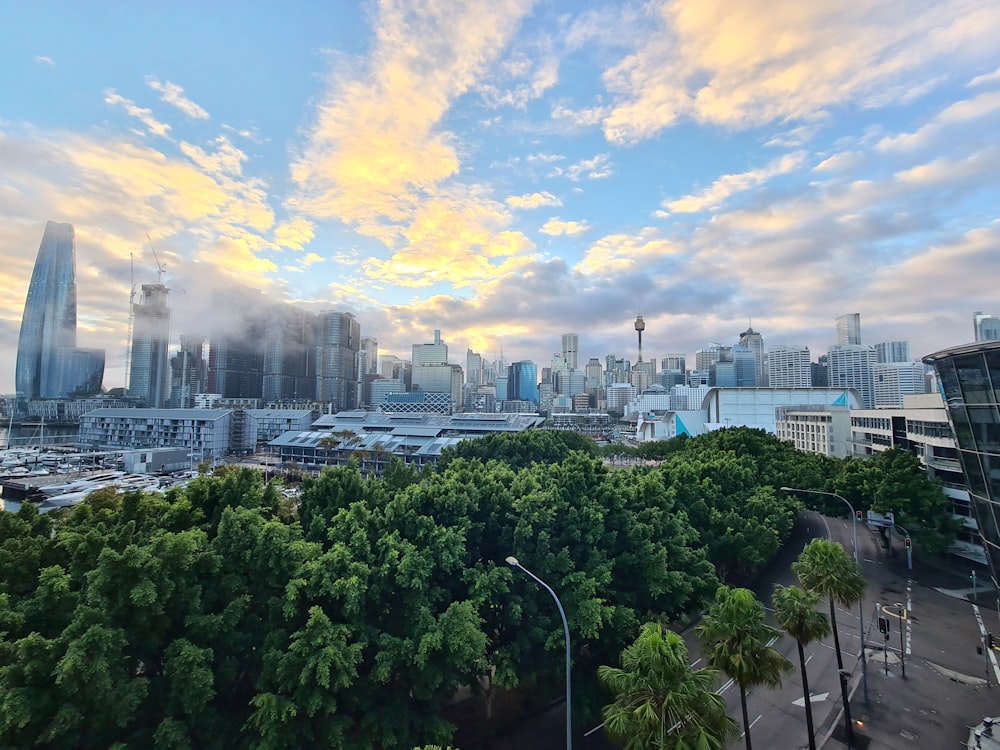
(985, 78)
(767, 61)
(731, 184)
(45, 60)
(555, 227)
(379, 160)
(173, 94)
(596, 168)
(145, 116)
(533, 200)
(964, 111)
(617, 253)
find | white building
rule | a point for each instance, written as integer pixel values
(853, 366)
(618, 396)
(895, 380)
(816, 429)
(789, 367)
(893, 351)
(206, 433)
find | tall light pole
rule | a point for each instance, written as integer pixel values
(512, 561)
(861, 615)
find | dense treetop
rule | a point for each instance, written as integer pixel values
(220, 615)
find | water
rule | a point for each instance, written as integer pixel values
(18, 436)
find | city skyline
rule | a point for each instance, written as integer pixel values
(506, 172)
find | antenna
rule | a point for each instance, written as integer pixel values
(131, 320)
(161, 268)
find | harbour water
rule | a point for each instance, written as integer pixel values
(20, 436)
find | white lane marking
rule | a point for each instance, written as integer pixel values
(744, 734)
(809, 659)
(725, 687)
(696, 662)
(813, 698)
(990, 655)
(909, 610)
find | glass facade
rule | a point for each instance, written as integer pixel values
(48, 363)
(970, 384)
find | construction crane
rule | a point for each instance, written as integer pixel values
(161, 268)
(131, 320)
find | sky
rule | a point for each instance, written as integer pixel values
(506, 171)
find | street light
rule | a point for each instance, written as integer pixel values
(512, 561)
(861, 613)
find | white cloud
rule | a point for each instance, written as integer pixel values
(145, 116)
(533, 200)
(985, 78)
(966, 110)
(556, 227)
(746, 64)
(731, 184)
(45, 60)
(596, 168)
(173, 94)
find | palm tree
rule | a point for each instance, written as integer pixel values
(735, 638)
(795, 611)
(661, 702)
(826, 569)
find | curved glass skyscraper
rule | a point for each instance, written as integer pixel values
(48, 363)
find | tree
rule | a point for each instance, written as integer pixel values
(826, 569)
(735, 639)
(795, 611)
(661, 701)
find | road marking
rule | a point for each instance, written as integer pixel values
(813, 698)
(744, 734)
(725, 687)
(909, 608)
(809, 659)
(991, 657)
(696, 662)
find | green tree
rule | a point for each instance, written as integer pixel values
(795, 611)
(660, 700)
(735, 638)
(521, 449)
(825, 568)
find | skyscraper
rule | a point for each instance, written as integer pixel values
(48, 363)
(987, 327)
(892, 351)
(149, 378)
(338, 344)
(789, 367)
(753, 341)
(854, 367)
(522, 381)
(571, 350)
(849, 330)
(188, 372)
(288, 349)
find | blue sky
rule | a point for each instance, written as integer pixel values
(507, 170)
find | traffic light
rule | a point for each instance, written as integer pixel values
(989, 640)
(883, 625)
(907, 543)
(857, 513)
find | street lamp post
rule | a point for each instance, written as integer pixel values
(512, 561)
(861, 615)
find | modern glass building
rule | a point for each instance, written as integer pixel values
(970, 383)
(149, 374)
(48, 363)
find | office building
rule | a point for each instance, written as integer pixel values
(789, 367)
(149, 376)
(288, 355)
(368, 356)
(895, 380)
(570, 382)
(986, 327)
(752, 340)
(674, 362)
(48, 363)
(892, 351)
(571, 350)
(473, 368)
(853, 366)
(816, 429)
(188, 372)
(435, 353)
(969, 377)
(338, 344)
(522, 382)
(849, 329)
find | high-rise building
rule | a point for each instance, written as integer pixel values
(705, 359)
(789, 367)
(149, 377)
(753, 341)
(368, 356)
(571, 350)
(289, 355)
(473, 368)
(892, 351)
(522, 381)
(674, 362)
(849, 329)
(337, 346)
(894, 380)
(48, 363)
(594, 374)
(853, 366)
(430, 354)
(986, 327)
(188, 372)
